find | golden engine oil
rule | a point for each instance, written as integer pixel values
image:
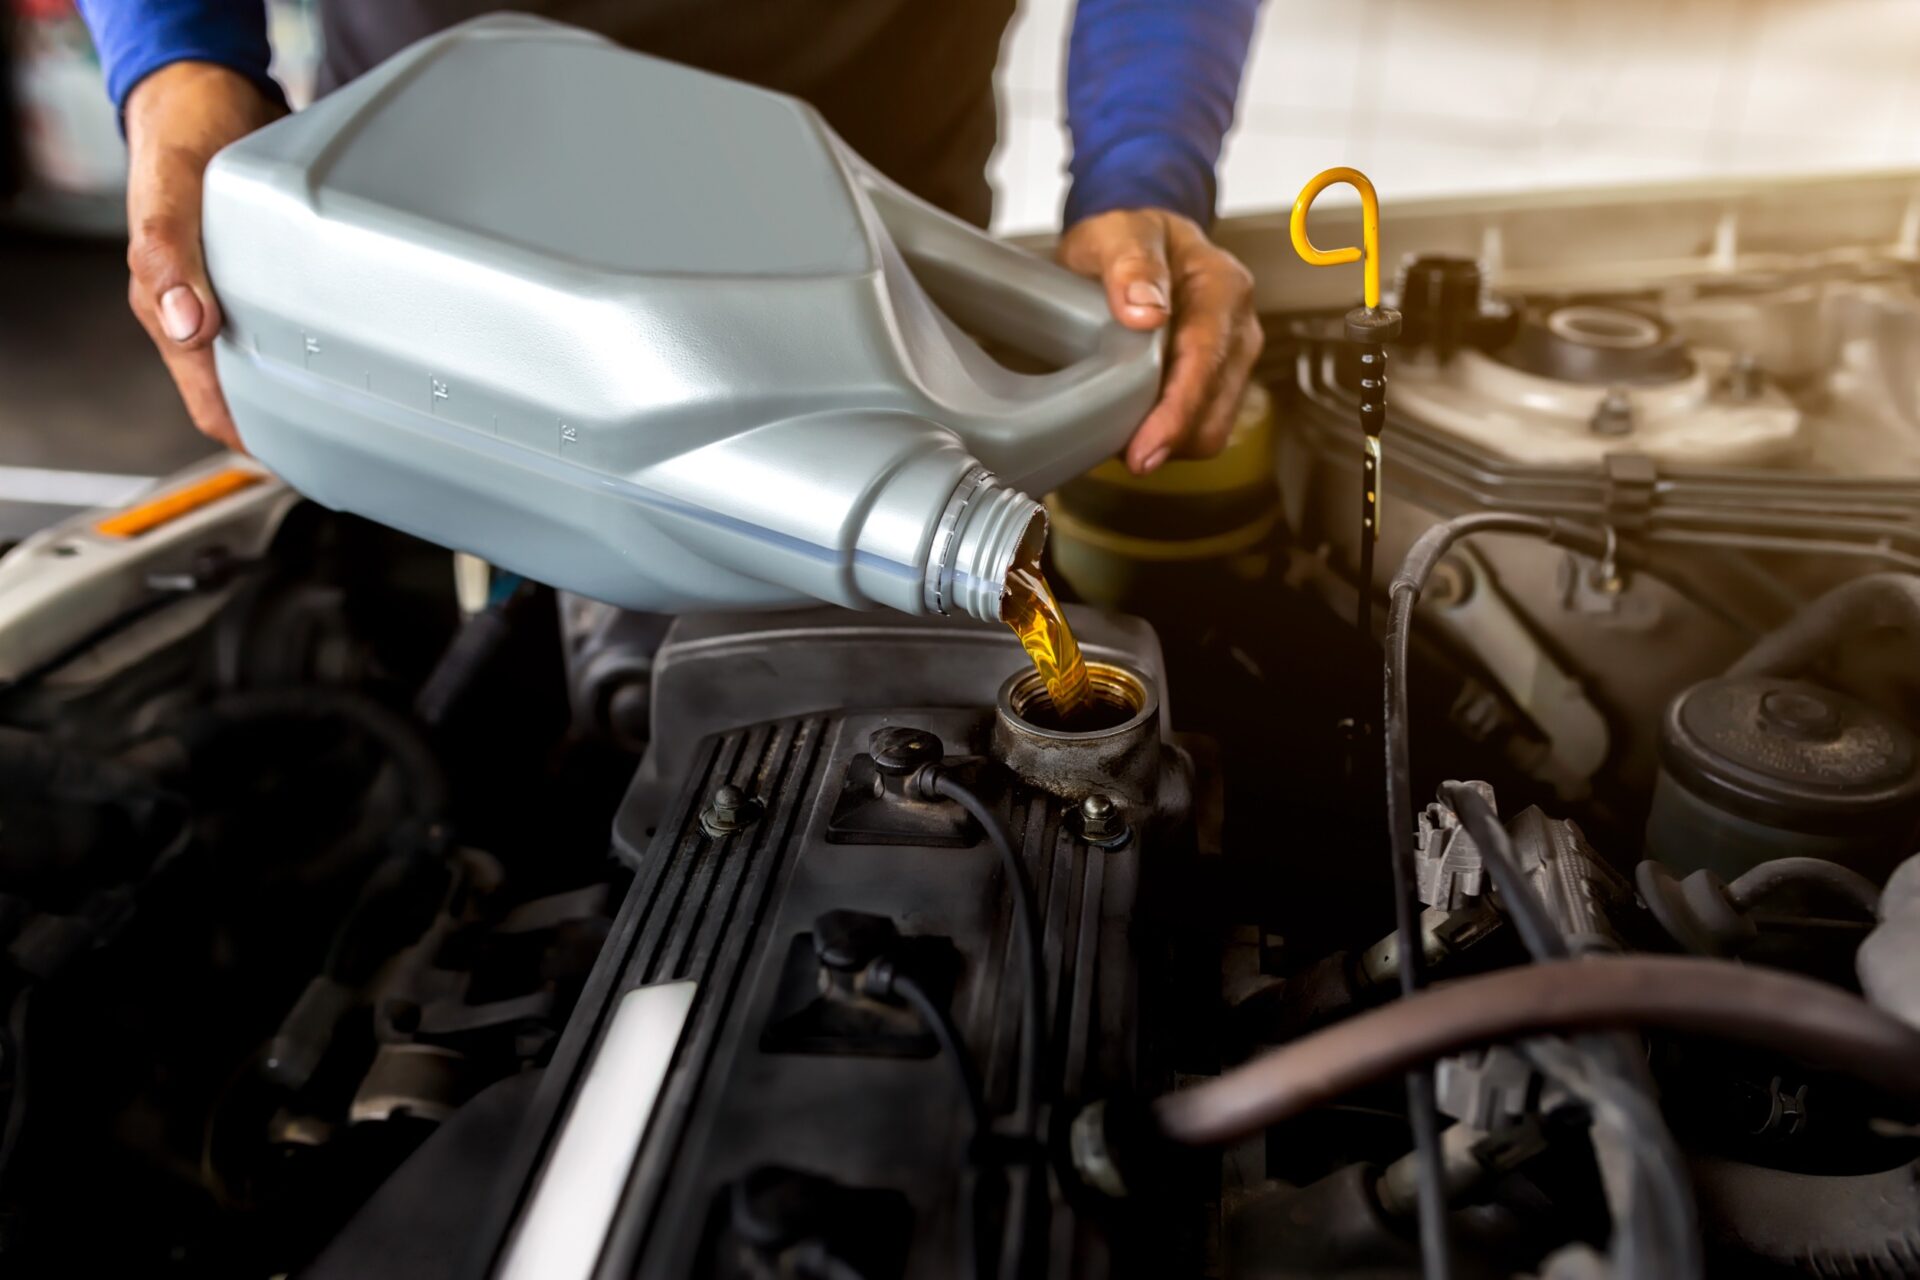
(1036, 617)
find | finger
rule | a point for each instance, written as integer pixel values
(163, 257)
(199, 384)
(1197, 354)
(1128, 252)
(193, 373)
(1217, 286)
(1230, 390)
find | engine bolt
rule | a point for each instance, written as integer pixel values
(1101, 823)
(1614, 415)
(729, 810)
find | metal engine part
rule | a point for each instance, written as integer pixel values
(1581, 892)
(1586, 380)
(717, 671)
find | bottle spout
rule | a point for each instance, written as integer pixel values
(986, 530)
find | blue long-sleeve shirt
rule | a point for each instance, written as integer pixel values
(1151, 84)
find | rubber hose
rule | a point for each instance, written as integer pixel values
(1843, 883)
(1764, 1008)
(476, 642)
(1865, 603)
(426, 783)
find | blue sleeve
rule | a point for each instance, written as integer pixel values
(135, 38)
(1150, 91)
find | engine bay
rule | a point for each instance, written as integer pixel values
(365, 915)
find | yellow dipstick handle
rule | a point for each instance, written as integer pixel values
(1369, 228)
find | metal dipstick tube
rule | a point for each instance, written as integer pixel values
(1369, 326)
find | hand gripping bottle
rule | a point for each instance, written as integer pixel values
(648, 334)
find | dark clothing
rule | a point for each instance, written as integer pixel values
(907, 83)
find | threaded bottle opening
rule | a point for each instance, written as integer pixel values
(986, 530)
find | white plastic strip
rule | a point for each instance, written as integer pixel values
(563, 1229)
(52, 488)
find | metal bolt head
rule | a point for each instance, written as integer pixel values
(1100, 820)
(728, 810)
(1614, 415)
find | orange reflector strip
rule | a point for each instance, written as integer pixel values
(169, 507)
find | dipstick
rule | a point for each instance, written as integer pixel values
(1370, 327)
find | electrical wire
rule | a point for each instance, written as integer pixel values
(1027, 924)
(1415, 570)
(908, 990)
(1762, 1008)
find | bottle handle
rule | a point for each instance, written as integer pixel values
(1006, 294)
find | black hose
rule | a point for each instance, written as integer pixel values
(475, 643)
(1718, 999)
(940, 1023)
(1830, 878)
(425, 782)
(1027, 923)
(1872, 601)
(1404, 590)
(1430, 1174)
(1525, 907)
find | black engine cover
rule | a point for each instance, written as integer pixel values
(793, 1125)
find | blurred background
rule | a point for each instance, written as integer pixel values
(1434, 97)
(1428, 96)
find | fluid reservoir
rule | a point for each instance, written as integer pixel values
(1118, 537)
(1756, 767)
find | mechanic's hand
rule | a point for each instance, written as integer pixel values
(176, 119)
(1158, 266)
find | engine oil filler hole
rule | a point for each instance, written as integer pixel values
(1114, 697)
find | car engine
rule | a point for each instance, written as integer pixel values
(369, 912)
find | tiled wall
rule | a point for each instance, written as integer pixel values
(1434, 96)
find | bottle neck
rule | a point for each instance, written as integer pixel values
(985, 530)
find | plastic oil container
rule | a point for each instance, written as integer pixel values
(648, 334)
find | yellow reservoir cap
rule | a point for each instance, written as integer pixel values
(1111, 527)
